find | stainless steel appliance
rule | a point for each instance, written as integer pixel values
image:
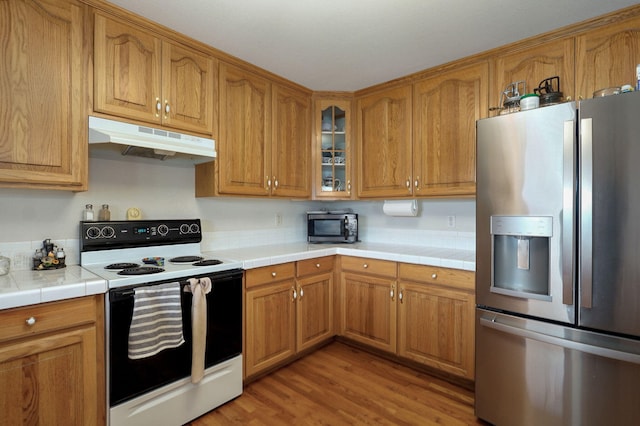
(340, 226)
(157, 389)
(557, 270)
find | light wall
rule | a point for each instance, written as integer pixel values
(165, 190)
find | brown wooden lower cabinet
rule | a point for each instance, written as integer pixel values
(51, 364)
(284, 314)
(422, 313)
(436, 318)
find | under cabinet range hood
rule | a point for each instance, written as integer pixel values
(144, 141)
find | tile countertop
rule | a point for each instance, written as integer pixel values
(26, 287)
(255, 257)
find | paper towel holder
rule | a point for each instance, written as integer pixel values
(406, 208)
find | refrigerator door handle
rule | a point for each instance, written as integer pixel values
(568, 207)
(558, 341)
(585, 275)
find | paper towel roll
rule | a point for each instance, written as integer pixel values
(400, 207)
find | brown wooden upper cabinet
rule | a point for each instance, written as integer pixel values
(532, 65)
(140, 76)
(445, 110)
(291, 143)
(384, 144)
(43, 77)
(607, 56)
(264, 141)
(244, 160)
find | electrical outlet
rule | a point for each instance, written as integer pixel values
(451, 221)
(278, 219)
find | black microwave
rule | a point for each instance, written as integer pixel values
(332, 227)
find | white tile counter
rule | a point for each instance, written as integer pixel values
(255, 257)
(26, 287)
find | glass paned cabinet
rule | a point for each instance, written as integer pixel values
(333, 179)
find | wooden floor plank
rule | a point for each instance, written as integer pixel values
(341, 385)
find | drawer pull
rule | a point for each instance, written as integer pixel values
(365, 266)
(30, 321)
(434, 276)
(317, 265)
(273, 274)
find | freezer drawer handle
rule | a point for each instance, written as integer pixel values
(569, 344)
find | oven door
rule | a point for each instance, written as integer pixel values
(129, 378)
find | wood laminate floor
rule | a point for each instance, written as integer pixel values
(342, 385)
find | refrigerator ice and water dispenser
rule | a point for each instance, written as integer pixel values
(520, 256)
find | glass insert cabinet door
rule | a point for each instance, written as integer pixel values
(334, 176)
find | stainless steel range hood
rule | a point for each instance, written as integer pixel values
(143, 141)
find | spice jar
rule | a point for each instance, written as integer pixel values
(104, 213)
(88, 214)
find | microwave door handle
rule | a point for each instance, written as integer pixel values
(345, 230)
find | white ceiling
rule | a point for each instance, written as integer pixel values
(348, 45)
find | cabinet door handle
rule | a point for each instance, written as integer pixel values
(408, 183)
(268, 182)
(294, 294)
(158, 107)
(301, 293)
(30, 321)
(167, 109)
(416, 183)
(275, 183)
(349, 186)
(400, 297)
(392, 293)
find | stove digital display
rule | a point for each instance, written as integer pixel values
(140, 231)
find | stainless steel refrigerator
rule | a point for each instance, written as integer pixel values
(558, 264)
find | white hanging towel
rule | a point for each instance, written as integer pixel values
(156, 323)
(200, 287)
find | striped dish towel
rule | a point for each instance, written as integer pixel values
(156, 323)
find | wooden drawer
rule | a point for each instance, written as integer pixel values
(48, 317)
(437, 275)
(315, 266)
(383, 268)
(269, 274)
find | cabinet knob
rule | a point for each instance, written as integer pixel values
(273, 274)
(317, 265)
(434, 276)
(30, 321)
(365, 266)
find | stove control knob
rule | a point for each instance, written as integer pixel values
(108, 232)
(93, 232)
(194, 228)
(184, 228)
(163, 229)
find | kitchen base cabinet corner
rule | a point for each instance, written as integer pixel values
(50, 368)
